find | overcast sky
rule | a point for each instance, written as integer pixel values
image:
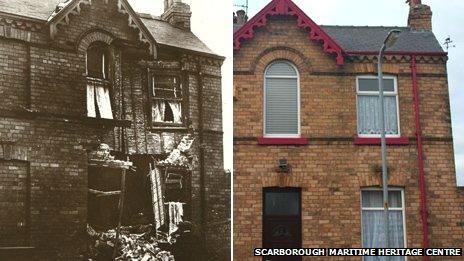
(448, 20)
(212, 23)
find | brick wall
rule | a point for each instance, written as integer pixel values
(331, 170)
(45, 114)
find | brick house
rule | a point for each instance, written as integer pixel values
(78, 73)
(307, 168)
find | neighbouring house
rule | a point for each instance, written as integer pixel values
(89, 88)
(307, 165)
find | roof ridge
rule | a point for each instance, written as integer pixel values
(364, 26)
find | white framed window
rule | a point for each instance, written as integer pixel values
(372, 218)
(167, 98)
(368, 106)
(281, 100)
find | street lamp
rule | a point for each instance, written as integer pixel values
(389, 41)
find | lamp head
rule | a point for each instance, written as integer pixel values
(392, 37)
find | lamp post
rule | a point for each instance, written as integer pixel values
(389, 41)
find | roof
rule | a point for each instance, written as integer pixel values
(288, 8)
(163, 32)
(167, 34)
(29, 8)
(370, 39)
(340, 40)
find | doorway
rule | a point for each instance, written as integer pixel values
(282, 220)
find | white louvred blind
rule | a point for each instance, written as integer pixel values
(281, 106)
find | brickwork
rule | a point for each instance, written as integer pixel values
(331, 170)
(43, 117)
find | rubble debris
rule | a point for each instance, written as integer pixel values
(179, 156)
(135, 243)
(102, 158)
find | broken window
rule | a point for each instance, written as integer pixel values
(98, 91)
(97, 60)
(167, 99)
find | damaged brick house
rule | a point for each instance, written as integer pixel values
(77, 74)
(306, 135)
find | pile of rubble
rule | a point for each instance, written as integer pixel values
(135, 243)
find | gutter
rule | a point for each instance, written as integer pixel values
(420, 158)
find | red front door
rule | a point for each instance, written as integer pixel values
(282, 220)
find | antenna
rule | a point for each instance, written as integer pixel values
(244, 6)
(449, 43)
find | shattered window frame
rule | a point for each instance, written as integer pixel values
(170, 100)
(99, 90)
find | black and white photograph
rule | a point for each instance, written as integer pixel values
(111, 130)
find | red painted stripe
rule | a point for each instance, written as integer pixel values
(376, 141)
(420, 158)
(282, 141)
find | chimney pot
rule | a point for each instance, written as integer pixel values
(420, 16)
(177, 14)
(241, 17)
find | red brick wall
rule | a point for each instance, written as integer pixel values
(331, 170)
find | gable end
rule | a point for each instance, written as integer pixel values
(288, 8)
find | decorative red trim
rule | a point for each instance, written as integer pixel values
(420, 158)
(397, 53)
(282, 141)
(288, 8)
(376, 141)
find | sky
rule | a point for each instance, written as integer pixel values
(447, 21)
(211, 22)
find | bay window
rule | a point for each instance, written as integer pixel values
(369, 106)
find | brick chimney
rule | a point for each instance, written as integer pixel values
(420, 16)
(177, 13)
(241, 18)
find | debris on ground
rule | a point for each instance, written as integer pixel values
(135, 243)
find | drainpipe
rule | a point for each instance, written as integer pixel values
(420, 158)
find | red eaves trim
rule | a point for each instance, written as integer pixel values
(376, 141)
(397, 53)
(288, 8)
(420, 158)
(282, 141)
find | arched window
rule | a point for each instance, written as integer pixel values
(98, 90)
(281, 100)
(97, 60)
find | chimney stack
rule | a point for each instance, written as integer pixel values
(177, 13)
(241, 18)
(420, 16)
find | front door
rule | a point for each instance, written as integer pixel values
(282, 220)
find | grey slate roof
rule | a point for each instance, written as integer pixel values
(163, 32)
(370, 39)
(38, 9)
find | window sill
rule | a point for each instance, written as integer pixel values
(282, 141)
(399, 141)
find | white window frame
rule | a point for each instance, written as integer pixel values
(377, 93)
(402, 209)
(265, 134)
